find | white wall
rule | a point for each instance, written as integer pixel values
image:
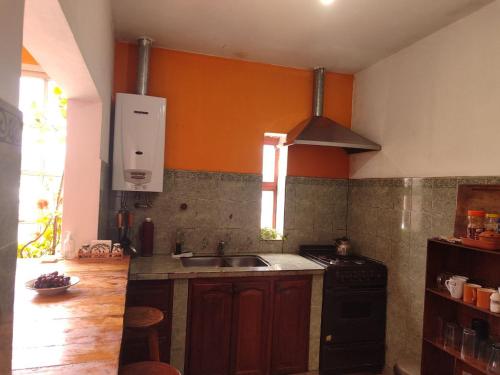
(435, 105)
(92, 25)
(11, 36)
(82, 171)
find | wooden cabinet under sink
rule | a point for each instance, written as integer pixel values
(251, 326)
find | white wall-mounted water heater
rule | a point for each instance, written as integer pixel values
(139, 143)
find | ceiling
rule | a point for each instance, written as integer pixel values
(346, 36)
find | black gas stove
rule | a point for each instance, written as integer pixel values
(352, 271)
(354, 311)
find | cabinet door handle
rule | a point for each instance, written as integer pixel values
(329, 338)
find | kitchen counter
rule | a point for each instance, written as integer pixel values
(160, 267)
(77, 332)
(163, 266)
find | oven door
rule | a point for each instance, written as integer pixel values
(353, 315)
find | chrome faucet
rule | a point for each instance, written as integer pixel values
(220, 248)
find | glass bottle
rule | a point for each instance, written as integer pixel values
(494, 363)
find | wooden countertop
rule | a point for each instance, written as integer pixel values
(78, 332)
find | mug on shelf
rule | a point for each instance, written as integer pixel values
(495, 303)
(455, 285)
(483, 297)
(470, 292)
(441, 280)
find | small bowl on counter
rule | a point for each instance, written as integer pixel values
(52, 284)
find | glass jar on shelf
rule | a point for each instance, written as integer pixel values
(475, 223)
(491, 222)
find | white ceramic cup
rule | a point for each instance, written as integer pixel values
(456, 286)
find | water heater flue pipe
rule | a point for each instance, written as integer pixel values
(144, 44)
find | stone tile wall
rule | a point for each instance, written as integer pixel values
(226, 207)
(315, 211)
(391, 220)
(10, 165)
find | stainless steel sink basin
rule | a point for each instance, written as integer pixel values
(203, 262)
(229, 261)
(245, 261)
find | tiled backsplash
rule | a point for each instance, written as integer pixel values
(315, 211)
(391, 220)
(386, 219)
(226, 207)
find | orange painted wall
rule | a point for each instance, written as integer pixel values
(219, 109)
(26, 57)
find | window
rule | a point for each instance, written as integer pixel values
(43, 153)
(273, 183)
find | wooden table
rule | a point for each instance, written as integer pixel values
(78, 332)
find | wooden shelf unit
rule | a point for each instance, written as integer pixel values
(482, 267)
(446, 295)
(477, 365)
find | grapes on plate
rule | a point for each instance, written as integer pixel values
(51, 280)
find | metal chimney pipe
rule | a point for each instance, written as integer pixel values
(318, 93)
(144, 44)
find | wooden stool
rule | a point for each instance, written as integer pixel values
(149, 368)
(146, 318)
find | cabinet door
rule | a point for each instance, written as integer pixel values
(250, 332)
(210, 328)
(290, 345)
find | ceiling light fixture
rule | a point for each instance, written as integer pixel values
(327, 2)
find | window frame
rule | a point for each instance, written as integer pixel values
(273, 186)
(34, 71)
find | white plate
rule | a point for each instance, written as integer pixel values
(73, 280)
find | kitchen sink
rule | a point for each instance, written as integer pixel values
(245, 261)
(229, 261)
(203, 262)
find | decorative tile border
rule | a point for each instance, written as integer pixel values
(316, 181)
(11, 124)
(219, 176)
(380, 182)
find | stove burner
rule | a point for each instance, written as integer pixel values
(346, 271)
(337, 260)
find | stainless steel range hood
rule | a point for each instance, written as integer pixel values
(321, 131)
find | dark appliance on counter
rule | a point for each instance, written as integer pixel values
(354, 311)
